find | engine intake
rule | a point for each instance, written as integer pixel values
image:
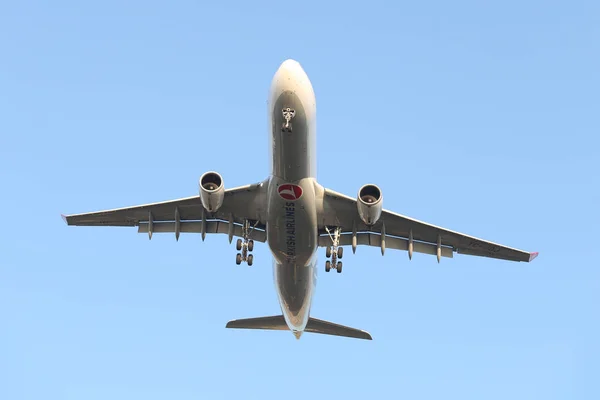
(212, 191)
(369, 204)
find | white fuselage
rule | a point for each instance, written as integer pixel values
(292, 232)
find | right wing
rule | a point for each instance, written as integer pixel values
(400, 232)
(244, 203)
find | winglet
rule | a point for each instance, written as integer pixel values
(64, 218)
(533, 255)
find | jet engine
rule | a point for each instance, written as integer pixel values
(211, 191)
(369, 204)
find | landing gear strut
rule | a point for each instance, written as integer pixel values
(334, 251)
(245, 245)
(288, 115)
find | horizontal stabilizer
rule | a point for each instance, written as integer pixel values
(329, 328)
(277, 322)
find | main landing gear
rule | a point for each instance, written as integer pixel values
(245, 245)
(334, 251)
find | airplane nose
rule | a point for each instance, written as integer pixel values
(289, 63)
(290, 76)
(291, 67)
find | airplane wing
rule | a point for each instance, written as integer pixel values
(244, 203)
(399, 232)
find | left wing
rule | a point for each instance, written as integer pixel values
(397, 231)
(244, 203)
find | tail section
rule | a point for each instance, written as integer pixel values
(277, 322)
(329, 328)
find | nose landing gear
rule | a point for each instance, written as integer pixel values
(334, 251)
(245, 245)
(288, 114)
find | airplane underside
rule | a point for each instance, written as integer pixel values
(295, 216)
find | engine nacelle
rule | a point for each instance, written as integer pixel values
(212, 191)
(369, 204)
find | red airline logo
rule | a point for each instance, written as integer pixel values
(289, 191)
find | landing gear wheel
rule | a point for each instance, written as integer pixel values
(250, 260)
(238, 259)
(250, 245)
(327, 266)
(238, 245)
(339, 267)
(335, 251)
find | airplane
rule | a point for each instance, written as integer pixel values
(294, 215)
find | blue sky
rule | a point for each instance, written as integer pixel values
(480, 117)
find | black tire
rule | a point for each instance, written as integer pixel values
(238, 259)
(340, 252)
(250, 260)
(250, 245)
(339, 267)
(238, 245)
(328, 252)
(327, 266)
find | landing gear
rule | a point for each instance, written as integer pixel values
(288, 114)
(245, 245)
(334, 252)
